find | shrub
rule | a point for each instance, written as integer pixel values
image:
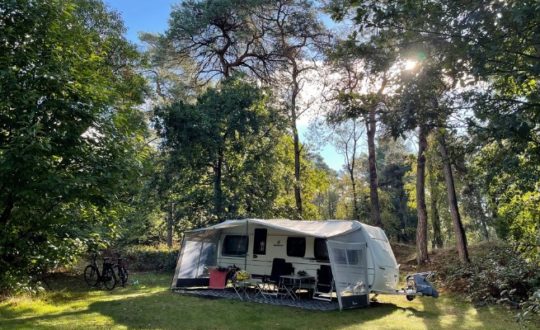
(497, 274)
(150, 258)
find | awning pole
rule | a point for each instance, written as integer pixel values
(245, 256)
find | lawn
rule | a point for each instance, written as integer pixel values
(150, 304)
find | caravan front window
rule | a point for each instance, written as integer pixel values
(235, 245)
(346, 256)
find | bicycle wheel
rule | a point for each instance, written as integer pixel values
(91, 275)
(108, 278)
(122, 275)
(125, 276)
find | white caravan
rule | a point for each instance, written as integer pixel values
(360, 255)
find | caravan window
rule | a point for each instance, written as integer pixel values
(346, 256)
(235, 245)
(320, 250)
(259, 242)
(296, 246)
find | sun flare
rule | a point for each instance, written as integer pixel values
(410, 64)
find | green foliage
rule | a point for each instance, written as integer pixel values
(224, 141)
(150, 258)
(509, 179)
(71, 141)
(522, 213)
(497, 274)
(315, 182)
(393, 161)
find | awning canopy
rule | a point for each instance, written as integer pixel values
(322, 229)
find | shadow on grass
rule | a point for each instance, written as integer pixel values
(410, 310)
(32, 322)
(167, 310)
(151, 305)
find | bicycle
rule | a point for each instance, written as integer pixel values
(92, 275)
(121, 270)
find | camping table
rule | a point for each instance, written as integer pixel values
(241, 287)
(290, 283)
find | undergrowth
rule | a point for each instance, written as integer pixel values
(497, 274)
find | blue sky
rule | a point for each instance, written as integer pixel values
(153, 16)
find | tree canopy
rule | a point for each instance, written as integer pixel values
(71, 139)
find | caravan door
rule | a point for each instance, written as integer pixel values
(349, 268)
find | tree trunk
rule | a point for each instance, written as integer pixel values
(296, 141)
(404, 221)
(437, 241)
(356, 214)
(297, 182)
(170, 227)
(483, 224)
(436, 222)
(482, 215)
(461, 239)
(421, 229)
(218, 193)
(6, 213)
(371, 126)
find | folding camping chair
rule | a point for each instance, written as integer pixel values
(325, 284)
(270, 284)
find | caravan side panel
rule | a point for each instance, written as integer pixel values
(259, 264)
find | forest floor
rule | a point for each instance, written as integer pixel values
(149, 304)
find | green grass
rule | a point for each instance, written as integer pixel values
(150, 304)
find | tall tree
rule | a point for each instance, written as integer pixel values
(393, 160)
(491, 47)
(461, 239)
(297, 34)
(421, 229)
(71, 139)
(384, 24)
(362, 93)
(433, 174)
(346, 140)
(227, 131)
(220, 37)
(256, 37)
(371, 127)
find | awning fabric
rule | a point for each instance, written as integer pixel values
(322, 229)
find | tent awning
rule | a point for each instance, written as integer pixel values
(322, 229)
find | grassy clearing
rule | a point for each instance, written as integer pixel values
(151, 305)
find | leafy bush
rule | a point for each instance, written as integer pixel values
(150, 258)
(497, 274)
(530, 307)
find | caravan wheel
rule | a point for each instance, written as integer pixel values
(410, 298)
